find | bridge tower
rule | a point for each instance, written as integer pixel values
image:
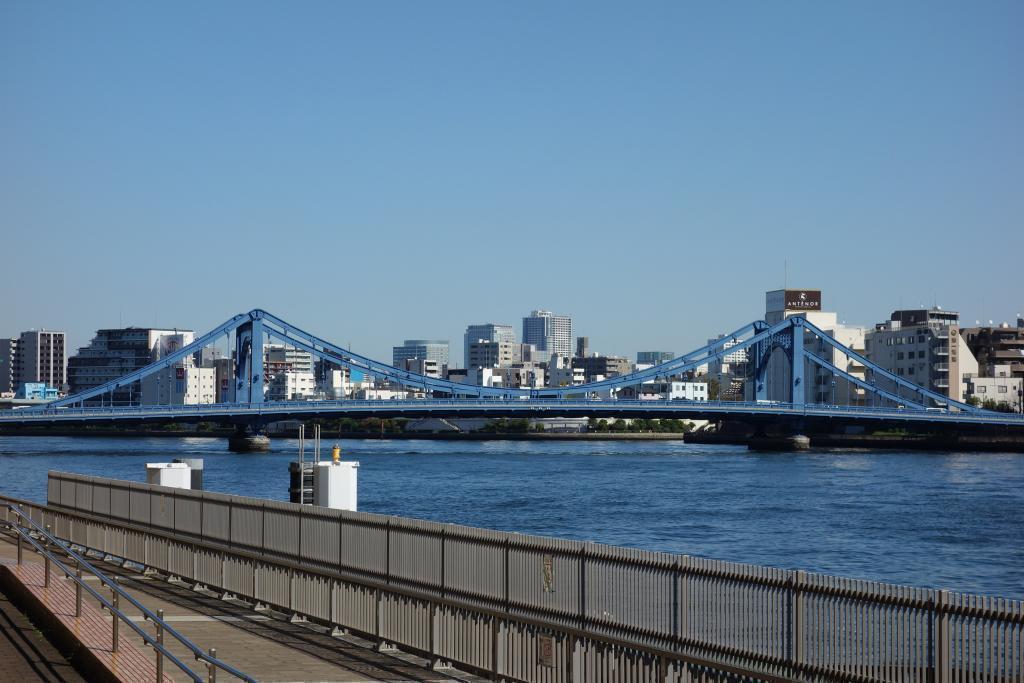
(249, 383)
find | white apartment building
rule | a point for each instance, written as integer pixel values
(925, 347)
(180, 384)
(510, 378)
(427, 367)
(1000, 387)
(291, 386)
(562, 373)
(674, 390)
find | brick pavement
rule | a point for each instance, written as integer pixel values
(26, 655)
(91, 629)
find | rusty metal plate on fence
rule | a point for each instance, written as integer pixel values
(546, 650)
(549, 574)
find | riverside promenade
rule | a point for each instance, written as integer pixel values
(502, 605)
(265, 644)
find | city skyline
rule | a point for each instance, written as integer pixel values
(638, 344)
(651, 168)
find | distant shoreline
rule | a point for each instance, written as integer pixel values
(914, 442)
(430, 436)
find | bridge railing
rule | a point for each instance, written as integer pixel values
(325, 563)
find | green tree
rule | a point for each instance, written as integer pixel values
(714, 389)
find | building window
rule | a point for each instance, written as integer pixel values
(1002, 388)
(982, 390)
(899, 356)
(920, 354)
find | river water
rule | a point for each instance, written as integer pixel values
(947, 520)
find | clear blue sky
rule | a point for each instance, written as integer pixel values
(380, 170)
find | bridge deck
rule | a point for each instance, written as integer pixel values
(258, 413)
(265, 646)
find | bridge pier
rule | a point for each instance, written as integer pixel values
(248, 440)
(784, 441)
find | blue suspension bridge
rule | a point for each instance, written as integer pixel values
(798, 377)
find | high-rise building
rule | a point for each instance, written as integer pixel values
(8, 351)
(992, 346)
(490, 332)
(582, 347)
(653, 357)
(278, 358)
(427, 349)
(113, 353)
(548, 332)
(924, 346)
(39, 356)
(494, 354)
(820, 386)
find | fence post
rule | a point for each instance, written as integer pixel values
(46, 556)
(795, 612)
(682, 616)
(160, 641)
(18, 534)
(583, 588)
(78, 591)
(940, 633)
(434, 659)
(496, 651)
(116, 639)
(211, 668)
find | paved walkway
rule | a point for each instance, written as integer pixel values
(264, 646)
(91, 629)
(25, 655)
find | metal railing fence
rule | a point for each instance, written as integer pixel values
(29, 531)
(330, 564)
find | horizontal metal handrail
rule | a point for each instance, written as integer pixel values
(114, 611)
(106, 581)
